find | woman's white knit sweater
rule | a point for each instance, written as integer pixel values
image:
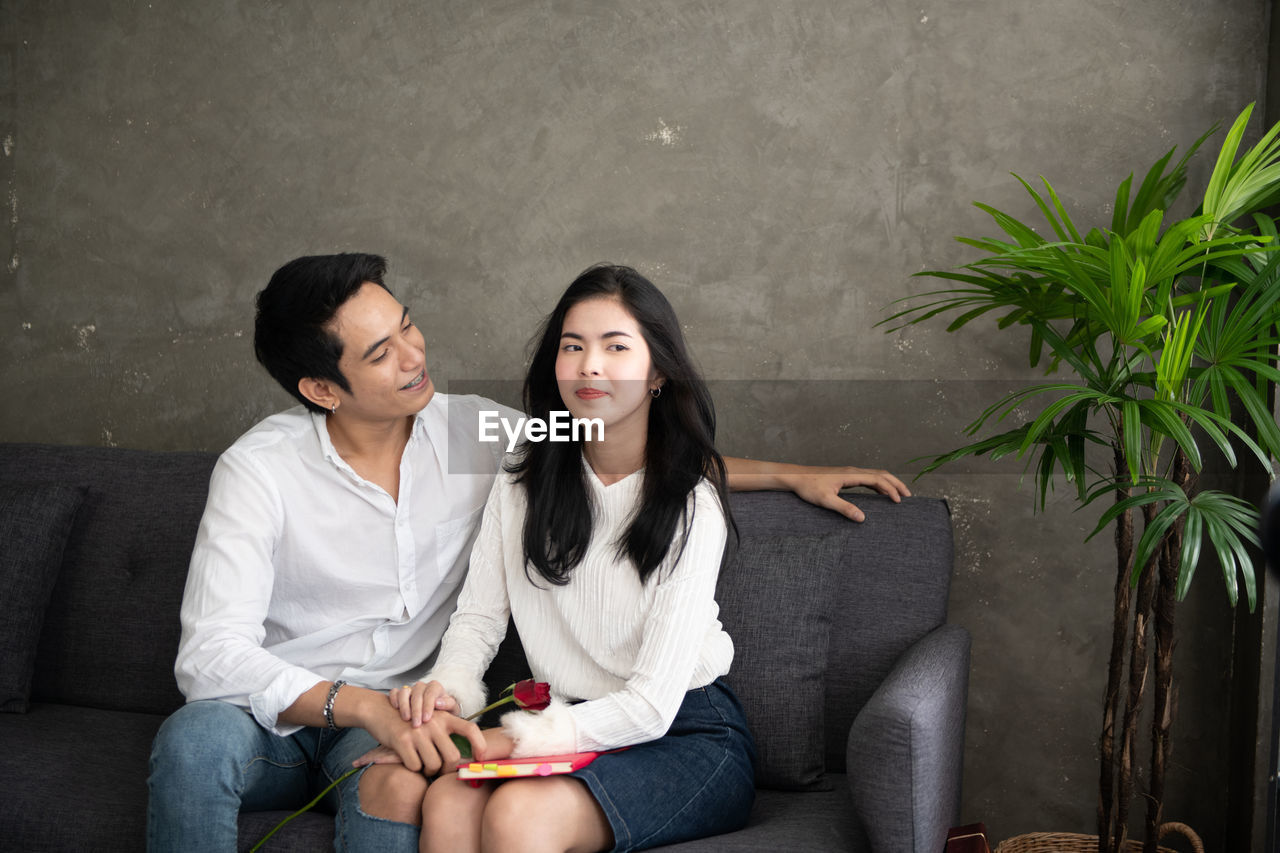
(631, 651)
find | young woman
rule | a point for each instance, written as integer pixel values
(605, 553)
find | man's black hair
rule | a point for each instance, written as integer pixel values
(291, 335)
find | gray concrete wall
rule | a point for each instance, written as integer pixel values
(779, 168)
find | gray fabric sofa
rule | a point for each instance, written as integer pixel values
(853, 681)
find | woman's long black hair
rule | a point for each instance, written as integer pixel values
(679, 452)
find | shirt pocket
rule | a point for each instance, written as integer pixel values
(454, 539)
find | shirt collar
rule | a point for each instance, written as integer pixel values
(430, 414)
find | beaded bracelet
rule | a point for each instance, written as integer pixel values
(328, 703)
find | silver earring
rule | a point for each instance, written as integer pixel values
(656, 392)
(333, 410)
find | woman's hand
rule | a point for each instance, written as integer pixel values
(497, 745)
(378, 755)
(418, 701)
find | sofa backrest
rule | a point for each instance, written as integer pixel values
(111, 630)
(889, 587)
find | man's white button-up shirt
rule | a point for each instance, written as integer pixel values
(303, 571)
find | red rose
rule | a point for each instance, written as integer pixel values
(528, 694)
(532, 695)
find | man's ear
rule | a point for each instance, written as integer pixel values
(319, 391)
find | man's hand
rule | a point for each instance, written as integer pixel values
(497, 747)
(821, 487)
(427, 747)
(422, 748)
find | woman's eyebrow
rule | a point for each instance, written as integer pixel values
(578, 337)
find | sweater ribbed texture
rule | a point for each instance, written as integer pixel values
(630, 650)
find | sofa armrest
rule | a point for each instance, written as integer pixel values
(906, 747)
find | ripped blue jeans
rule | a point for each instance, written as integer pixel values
(211, 759)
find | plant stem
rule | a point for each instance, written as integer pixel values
(487, 708)
(279, 826)
(1166, 602)
(1115, 668)
(1137, 686)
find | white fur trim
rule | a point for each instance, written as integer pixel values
(461, 685)
(550, 731)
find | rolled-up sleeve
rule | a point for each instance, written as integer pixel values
(227, 595)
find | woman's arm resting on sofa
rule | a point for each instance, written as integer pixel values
(819, 485)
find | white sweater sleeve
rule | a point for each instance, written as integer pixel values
(682, 615)
(480, 622)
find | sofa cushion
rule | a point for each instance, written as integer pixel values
(110, 635)
(817, 822)
(775, 602)
(35, 520)
(74, 778)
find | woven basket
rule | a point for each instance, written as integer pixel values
(1070, 842)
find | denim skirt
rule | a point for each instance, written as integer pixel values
(696, 780)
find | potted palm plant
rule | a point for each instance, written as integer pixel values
(1152, 328)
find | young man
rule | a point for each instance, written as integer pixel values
(327, 564)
